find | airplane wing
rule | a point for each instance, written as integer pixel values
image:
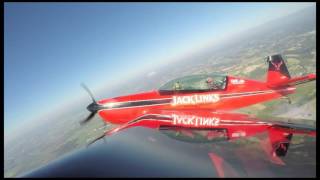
(193, 143)
(221, 125)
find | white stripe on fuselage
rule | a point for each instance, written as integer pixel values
(230, 95)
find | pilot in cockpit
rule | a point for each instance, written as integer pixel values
(177, 86)
(211, 84)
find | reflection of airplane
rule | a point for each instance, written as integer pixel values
(192, 143)
(192, 124)
(202, 126)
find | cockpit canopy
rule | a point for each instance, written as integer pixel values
(199, 82)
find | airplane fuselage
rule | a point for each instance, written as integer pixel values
(238, 93)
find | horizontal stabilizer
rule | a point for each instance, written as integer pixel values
(294, 81)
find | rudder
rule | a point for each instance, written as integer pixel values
(277, 70)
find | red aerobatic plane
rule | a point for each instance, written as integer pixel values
(206, 92)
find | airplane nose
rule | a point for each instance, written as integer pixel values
(93, 107)
(90, 107)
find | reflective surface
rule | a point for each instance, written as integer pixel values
(144, 152)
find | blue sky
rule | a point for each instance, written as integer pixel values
(50, 48)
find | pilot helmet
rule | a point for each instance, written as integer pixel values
(209, 80)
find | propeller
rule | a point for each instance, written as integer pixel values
(89, 92)
(91, 115)
(93, 107)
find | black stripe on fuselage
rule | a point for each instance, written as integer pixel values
(138, 103)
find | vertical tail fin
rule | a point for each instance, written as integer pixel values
(277, 70)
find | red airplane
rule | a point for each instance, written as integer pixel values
(209, 92)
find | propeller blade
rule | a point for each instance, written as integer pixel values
(89, 92)
(88, 118)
